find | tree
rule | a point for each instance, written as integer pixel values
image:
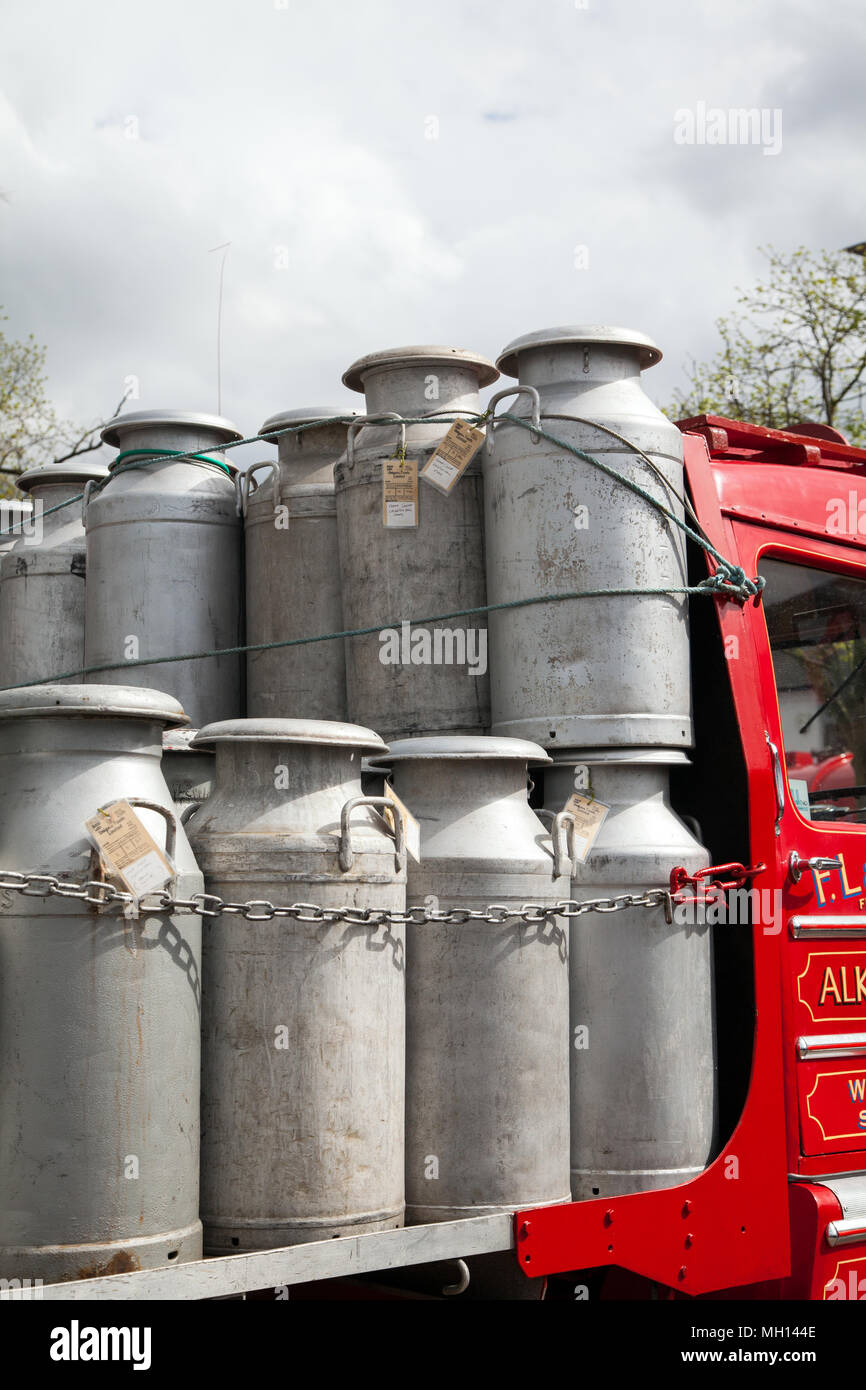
(30, 432)
(795, 350)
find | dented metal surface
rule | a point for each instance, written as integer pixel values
(99, 1016)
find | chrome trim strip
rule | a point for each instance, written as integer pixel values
(850, 927)
(832, 1045)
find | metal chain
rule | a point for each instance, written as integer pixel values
(98, 893)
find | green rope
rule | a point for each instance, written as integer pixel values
(175, 455)
(735, 575)
(729, 580)
(716, 583)
(159, 454)
(739, 585)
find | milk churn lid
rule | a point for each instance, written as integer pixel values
(153, 419)
(650, 352)
(465, 746)
(70, 471)
(323, 732)
(285, 418)
(102, 701)
(353, 377)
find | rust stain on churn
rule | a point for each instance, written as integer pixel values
(122, 1263)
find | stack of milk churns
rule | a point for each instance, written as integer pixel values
(349, 1077)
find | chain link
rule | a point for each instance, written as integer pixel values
(98, 893)
(94, 891)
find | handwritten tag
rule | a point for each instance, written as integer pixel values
(589, 817)
(453, 456)
(400, 492)
(127, 851)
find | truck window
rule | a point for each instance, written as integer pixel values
(816, 620)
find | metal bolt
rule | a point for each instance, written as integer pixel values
(687, 1206)
(682, 1273)
(524, 1230)
(690, 1240)
(608, 1216)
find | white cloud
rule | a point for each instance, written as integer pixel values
(306, 130)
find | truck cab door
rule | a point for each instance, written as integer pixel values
(815, 611)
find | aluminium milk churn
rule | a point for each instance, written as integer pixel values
(293, 572)
(164, 560)
(643, 1055)
(304, 1021)
(16, 520)
(188, 771)
(486, 1003)
(428, 676)
(99, 1014)
(589, 671)
(42, 578)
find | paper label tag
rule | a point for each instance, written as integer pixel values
(400, 492)
(127, 851)
(453, 455)
(411, 828)
(589, 817)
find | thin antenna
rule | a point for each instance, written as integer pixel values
(224, 247)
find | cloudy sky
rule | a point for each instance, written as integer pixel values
(447, 171)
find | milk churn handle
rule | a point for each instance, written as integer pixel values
(561, 834)
(462, 1279)
(347, 855)
(189, 811)
(533, 395)
(85, 497)
(168, 817)
(363, 420)
(243, 483)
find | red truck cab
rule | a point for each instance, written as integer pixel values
(778, 782)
